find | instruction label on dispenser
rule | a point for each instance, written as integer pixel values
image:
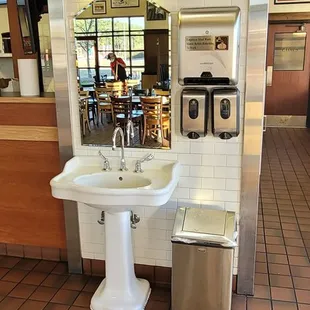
(206, 43)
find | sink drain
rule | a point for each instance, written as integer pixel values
(120, 178)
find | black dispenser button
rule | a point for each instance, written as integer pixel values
(225, 136)
(193, 135)
(225, 108)
(193, 108)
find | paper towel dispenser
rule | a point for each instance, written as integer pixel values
(194, 112)
(209, 40)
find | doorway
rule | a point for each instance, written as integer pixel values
(288, 75)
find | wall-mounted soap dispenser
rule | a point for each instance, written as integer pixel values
(225, 108)
(194, 112)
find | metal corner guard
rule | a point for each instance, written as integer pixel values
(252, 148)
(59, 48)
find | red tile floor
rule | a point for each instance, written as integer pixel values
(29, 284)
(282, 279)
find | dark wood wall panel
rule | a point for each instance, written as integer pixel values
(29, 215)
(303, 17)
(155, 54)
(25, 114)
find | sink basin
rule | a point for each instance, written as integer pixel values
(84, 181)
(113, 180)
(116, 192)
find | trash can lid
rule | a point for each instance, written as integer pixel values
(205, 227)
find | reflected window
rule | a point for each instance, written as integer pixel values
(121, 24)
(137, 43)
(85, 26)
(123, 36)
(86, 76)
(121, 43)
(104, 25)
(86, 60)
(136, 23)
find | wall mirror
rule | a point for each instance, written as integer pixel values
(123, 50)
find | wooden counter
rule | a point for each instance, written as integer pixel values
(29, 159)
(48, 98)
(28, 118)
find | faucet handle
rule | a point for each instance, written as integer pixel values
(139, 162)
(106, 163)
(147, 157)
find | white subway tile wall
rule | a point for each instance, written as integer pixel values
(211, 167)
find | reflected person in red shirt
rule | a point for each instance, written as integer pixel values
(118, 67)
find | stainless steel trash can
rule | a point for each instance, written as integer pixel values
(203, 243)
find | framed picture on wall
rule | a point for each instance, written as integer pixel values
(291, 1)
(154, 12)
(100, 7)
(125, 4)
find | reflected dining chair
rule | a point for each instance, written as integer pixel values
(115, 88)
(91, 109)
(83, 107)
(83, 93)
(156, 122)
(104, 106)
(160, 92)
(123, 112)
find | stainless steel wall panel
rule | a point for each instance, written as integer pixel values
(60, 64)
(252, 148)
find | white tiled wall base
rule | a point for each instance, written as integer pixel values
(211, 167)
(152, 244)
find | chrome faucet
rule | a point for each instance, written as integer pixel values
(139, 162)
(130, 131)
(121, 132)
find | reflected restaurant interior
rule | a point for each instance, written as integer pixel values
(121, 60)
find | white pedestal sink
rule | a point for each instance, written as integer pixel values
(115, 192)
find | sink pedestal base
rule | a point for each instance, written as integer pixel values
(120, 290)
(109, 300)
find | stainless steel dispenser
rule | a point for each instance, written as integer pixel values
(225, 108)
(209, 40)
(194, 112)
